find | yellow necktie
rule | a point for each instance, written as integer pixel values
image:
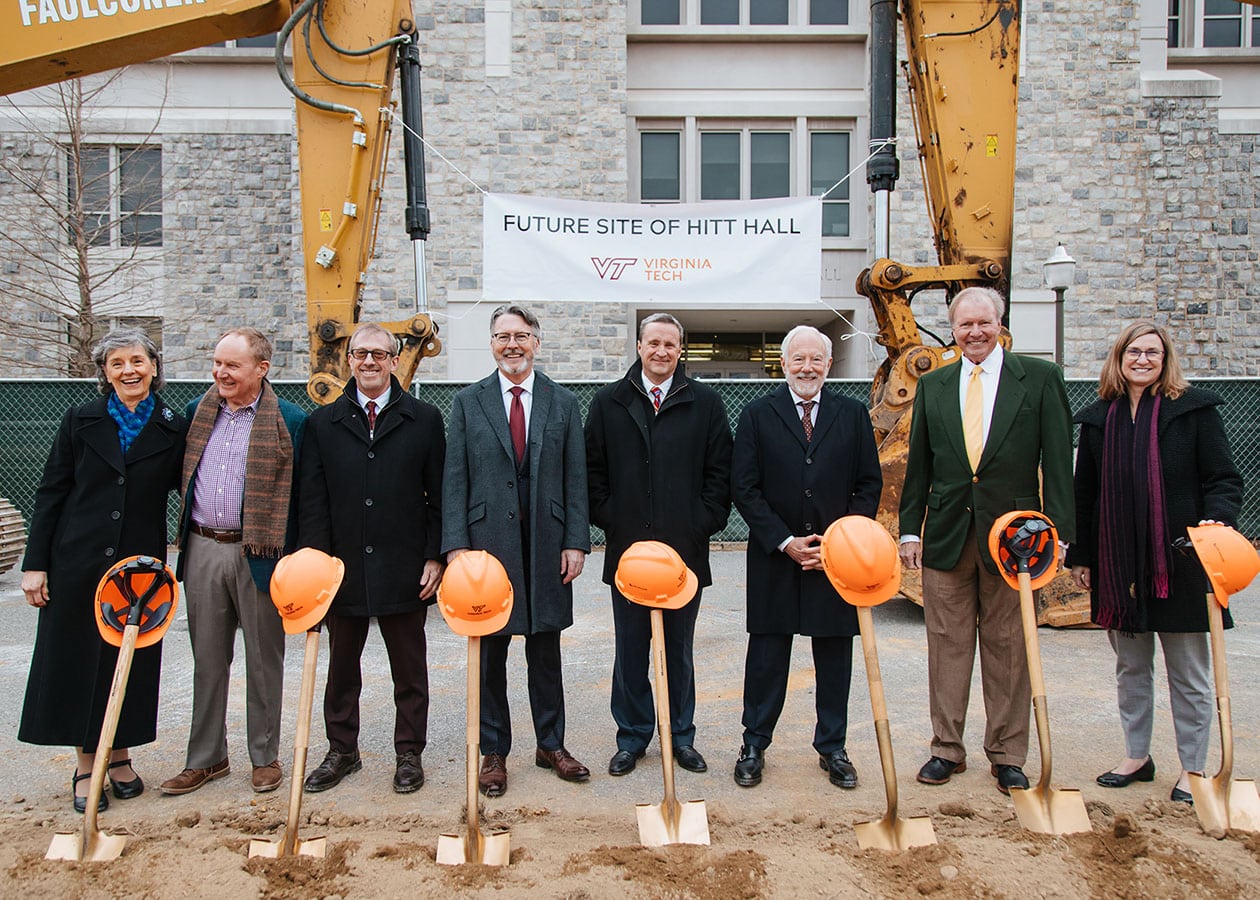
(973, 418)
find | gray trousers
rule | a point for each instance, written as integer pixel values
(1190, 692)
(220, 595)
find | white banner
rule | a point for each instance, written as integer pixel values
(722, 252)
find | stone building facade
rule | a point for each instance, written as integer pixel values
(1139, 158)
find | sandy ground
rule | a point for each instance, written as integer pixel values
(791, 836)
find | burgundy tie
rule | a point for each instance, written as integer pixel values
(516, 424)
(806, 422)
(656, 398)
(371, 414)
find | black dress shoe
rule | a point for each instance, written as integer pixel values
(329, 773)
(1009, 777)
(125, 790)
(80, 803)
(1180, 796)
(409, 775)
(623, 762)
(690, 759)
(1146, 772)
(938, 770)
(748, 767)
(839, 769)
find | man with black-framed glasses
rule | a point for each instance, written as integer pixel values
(370, 489)
(515, 486)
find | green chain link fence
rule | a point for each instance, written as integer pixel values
(31, 410)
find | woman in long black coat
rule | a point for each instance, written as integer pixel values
(102, 499)
(1153, 460)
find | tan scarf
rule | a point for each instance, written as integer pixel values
(268, 470)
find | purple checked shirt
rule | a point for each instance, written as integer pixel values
(219, 485)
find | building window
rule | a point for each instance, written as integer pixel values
(659, 177)
(265, 41)
(119, 189)
(770, 164)
(719, 12)
(1213, 24)
(753, 162)
(828, 12)
(744, 12)
(828, 164)
(719, 165)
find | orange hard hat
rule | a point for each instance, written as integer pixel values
(475, 594)
(1228, 558)
(138, 590)
(651, 573)
(1025, 535)
(860, 559)
(303, 587)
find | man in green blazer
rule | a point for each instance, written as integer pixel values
(984, 433)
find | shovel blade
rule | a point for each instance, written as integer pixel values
(76, 847)
(315, 848)
(455, 850)
(1051, 810)
(1222, 805)
(688, 825)
(895, 834)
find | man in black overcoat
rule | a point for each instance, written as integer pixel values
(658, 457)
(804, 457)
(371, 495)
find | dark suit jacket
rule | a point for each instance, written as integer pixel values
(661, 476)
(1031, 432)
(479, 495)
(786, 487)
(376, 503)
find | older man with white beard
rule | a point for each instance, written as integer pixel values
(804, 456)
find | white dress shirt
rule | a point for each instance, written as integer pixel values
(527, 397)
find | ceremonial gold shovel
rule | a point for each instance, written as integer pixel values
(1231, 563)
(1026, 541)
(289, 844)
(148, 616)
(670, 821)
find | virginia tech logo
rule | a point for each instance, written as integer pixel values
(611, 268)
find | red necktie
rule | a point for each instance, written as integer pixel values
(371, 414)
(656, 398)
(516, 424)
(806, 422)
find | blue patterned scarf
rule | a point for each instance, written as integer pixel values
(129, 423)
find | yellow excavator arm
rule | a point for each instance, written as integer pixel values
(345, 54)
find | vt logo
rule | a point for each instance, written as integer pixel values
(612, 267)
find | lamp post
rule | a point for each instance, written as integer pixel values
(1059, 271)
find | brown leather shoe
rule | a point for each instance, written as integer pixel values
(565, 765)
(189, 780)
(267, 778)
(493, 776)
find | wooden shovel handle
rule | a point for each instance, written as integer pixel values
(664, 730)
(1220, 675)
(109, 727)
(301, 741)
(472, 738)
(879, 709)
(1032, 650)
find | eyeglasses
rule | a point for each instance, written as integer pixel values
(1134, 353)
(503, 338)
(362, 353)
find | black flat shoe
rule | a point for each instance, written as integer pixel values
(80, 803)
(125, 790)
(1146, 772)
(1180, 796)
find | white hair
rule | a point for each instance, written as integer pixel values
(800, 331)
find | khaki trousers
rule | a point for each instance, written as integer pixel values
(220, 594)
(959, 605)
